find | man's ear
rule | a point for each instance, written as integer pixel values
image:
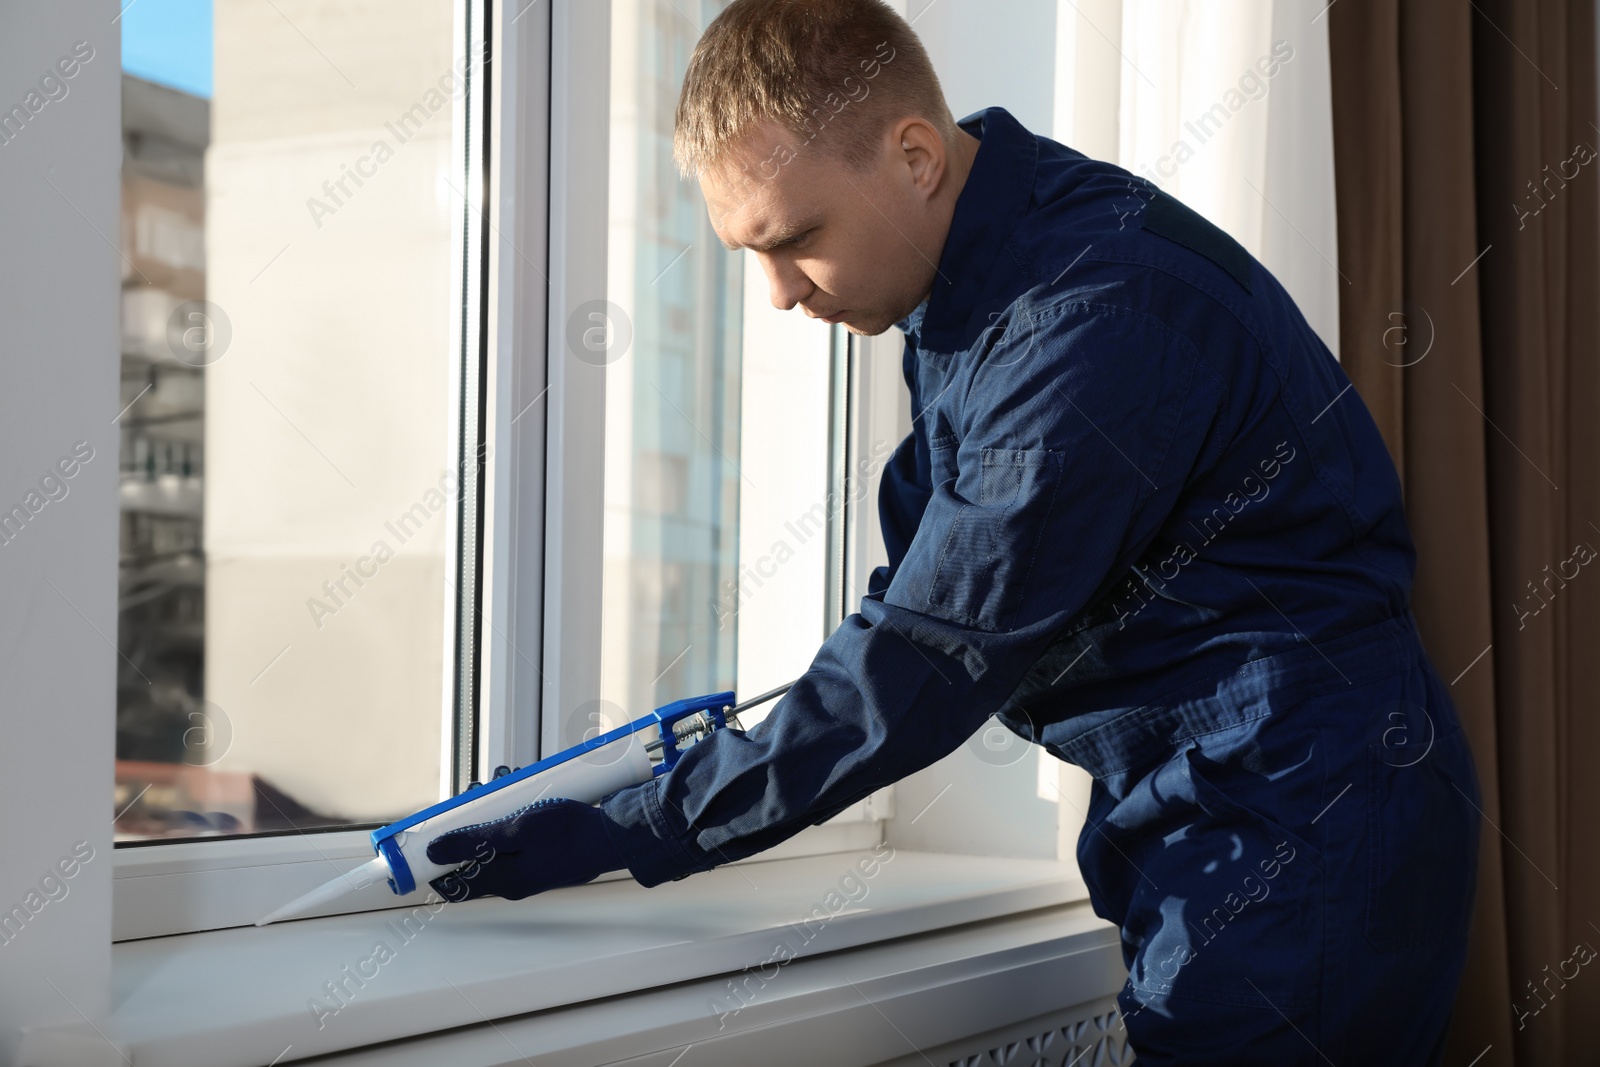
(923, 153)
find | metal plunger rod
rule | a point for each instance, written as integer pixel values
(764, 697)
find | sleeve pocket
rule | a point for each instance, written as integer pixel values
(982, 574)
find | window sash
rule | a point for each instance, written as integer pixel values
(531, 256)
(499, 135)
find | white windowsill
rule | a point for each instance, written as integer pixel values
(240, 996)
(184, 887)
(891, 1004)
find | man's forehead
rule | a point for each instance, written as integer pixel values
(758, 226)
(752, 207)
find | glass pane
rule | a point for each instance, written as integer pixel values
(287, 364)
(715, 432)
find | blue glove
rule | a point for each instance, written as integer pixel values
(546, 845)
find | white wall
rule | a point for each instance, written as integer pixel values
(59, 284)
(992, 55)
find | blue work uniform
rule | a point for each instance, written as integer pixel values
(1143, 517)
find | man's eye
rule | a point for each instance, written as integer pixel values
(799, 241)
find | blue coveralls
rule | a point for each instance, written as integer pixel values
(1144, 518)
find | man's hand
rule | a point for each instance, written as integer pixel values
(547, 845)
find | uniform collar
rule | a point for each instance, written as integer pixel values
(997, 193)
(912, 323)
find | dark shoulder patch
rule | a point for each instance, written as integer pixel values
(1176, 221)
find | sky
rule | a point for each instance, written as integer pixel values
(168, 41)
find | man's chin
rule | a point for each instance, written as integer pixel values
(867, 329)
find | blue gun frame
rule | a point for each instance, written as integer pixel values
(715, 705)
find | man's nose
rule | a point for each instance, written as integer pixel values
(788, 283)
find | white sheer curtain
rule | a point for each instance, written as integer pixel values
(1225, 105)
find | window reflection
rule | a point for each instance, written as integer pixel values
(287, 364)
(672, 471)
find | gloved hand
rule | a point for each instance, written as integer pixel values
(546, 845)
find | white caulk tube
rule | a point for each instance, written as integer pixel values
(588, 772)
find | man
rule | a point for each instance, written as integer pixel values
(1142, 516)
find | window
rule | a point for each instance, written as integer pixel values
(527, 213)
(672, 423)
(292, 370)
(608, 472)
(351, 337)
(302, 440)
(724, 523)
(714, 437)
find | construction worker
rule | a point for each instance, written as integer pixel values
(1142, 516)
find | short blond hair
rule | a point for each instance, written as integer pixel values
(834, 73)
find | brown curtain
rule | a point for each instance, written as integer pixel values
(1469, 230)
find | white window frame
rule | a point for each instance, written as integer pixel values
(539, 644)
(71, 943)
(186, 886)
(580, 80)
